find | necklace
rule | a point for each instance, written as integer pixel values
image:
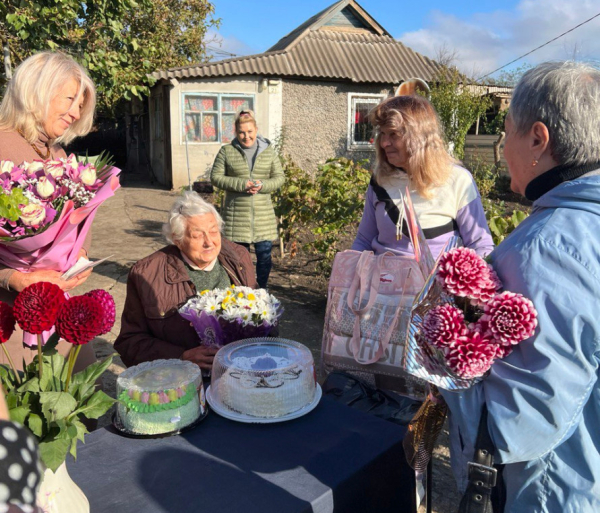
(35, 148)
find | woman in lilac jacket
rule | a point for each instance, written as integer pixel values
(411, 152)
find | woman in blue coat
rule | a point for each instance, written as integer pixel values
(544, 398)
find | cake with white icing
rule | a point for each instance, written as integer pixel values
(265, 378)
(159, 397)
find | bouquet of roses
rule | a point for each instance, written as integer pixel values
(34, 193)
(472, 323)
(47, 397)
(222, 316)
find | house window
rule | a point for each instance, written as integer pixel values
(210, 117)
(361, 133)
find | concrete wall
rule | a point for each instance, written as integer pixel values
(267, 105)
(316, 120)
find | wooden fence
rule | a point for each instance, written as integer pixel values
(481, 147)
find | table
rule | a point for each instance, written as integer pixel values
(334, 458)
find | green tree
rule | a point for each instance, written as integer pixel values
(458, 107)
(119, 41)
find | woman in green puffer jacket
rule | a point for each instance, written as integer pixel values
(249, 170)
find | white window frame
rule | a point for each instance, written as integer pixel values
(218, 112)
(374, 99)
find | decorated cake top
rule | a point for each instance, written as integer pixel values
(263, 355)
(158, 376)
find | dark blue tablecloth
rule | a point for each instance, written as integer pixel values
(333, 459)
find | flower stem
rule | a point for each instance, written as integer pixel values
(40, 361)
(12, 364)
(73, 354)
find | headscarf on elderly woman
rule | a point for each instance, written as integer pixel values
(543, 399)
(198, 258)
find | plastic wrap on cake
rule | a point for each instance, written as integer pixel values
(160, 397)
(263, 377)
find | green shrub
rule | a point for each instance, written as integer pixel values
(501, 221)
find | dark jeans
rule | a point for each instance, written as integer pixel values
(263, 260)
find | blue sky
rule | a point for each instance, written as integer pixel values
(483, 35)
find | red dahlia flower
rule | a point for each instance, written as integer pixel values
(463, 273)
(108, 304)
(37, 306)
(80, 320)
(471, 356)
(443, 325)
(510, 318)
(7, 322)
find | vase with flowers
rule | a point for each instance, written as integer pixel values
(47, 396)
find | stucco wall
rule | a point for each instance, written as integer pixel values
(267, 96)
(315, 120)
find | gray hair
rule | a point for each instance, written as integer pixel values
(36, 82)
(190, 204)
(565, 96)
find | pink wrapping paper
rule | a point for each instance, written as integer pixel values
(56, 248)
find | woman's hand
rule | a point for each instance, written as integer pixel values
(253, 187)
(202, 356)
(18, 280)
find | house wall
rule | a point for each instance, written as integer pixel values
(267, 95)
(315, 120)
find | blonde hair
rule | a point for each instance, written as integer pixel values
(35, 83)
(244, 116)
(413, 118)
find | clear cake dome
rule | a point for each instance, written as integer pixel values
(263, 377)
(158, 375)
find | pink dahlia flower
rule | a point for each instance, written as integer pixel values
(510, 318)
(108, 304)
(502, 351)
(463, 273)
(443, 324)
(471, 356)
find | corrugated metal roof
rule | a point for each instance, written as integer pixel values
(324, 54)
(315, 50)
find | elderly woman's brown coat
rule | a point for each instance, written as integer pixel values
(151, 327)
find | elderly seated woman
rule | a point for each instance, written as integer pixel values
(198, 259)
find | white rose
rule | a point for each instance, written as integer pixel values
(33, 167)
(6, 166)
(33, 214)
(44, 187)
(54, 168)
(71, 160)
(88, 176)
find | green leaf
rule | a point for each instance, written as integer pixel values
(33, 385)
(19, 414)
(97, 405)
(91, 373)
(57, 405)
(81, 430)
(35, 424)
(54, 452)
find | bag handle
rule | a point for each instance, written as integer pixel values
(360, 285)
(384, 342)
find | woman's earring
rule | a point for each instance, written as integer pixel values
(534, 163)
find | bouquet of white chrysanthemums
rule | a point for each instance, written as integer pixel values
(222, 316)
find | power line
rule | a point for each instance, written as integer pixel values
(541, 46)
(222, 52)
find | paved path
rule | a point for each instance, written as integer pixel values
(128, 228)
